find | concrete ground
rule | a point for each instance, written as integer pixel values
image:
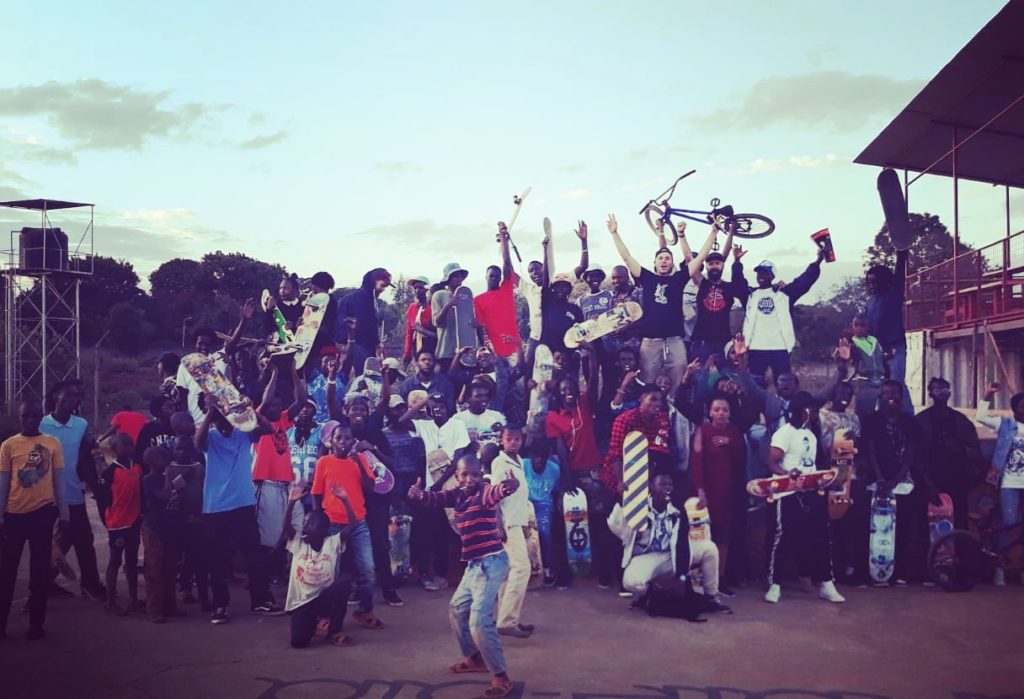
(911, 642)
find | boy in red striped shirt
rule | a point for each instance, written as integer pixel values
(471, 610)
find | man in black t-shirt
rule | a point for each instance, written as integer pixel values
(558, 313)
(662, 349)
(714, 302)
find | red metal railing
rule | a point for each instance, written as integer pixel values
(989, 286)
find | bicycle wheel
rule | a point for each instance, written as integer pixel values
(653, 214)
(958, 560)
(752, 225)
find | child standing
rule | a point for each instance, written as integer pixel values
(471, 610)
(161, 533)
(718, 452)
(316, 586)
(120, 491)
(869, 367)
(515, 517)
(542, 476)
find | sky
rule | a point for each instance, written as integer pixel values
(345, 136)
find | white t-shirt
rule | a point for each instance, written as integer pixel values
(799, 447)
(312, 571)
(484, 428)
(515, 509)
(451, 436)
(774, 326)
(187, 383)
(532, 292)
(1013, 474)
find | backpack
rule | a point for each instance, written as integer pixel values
(668, 596)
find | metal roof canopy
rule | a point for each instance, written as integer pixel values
(973, 106)
(42, 204)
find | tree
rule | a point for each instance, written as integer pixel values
(933, 244)
(129, 330)
(819, 326)
(179, 287)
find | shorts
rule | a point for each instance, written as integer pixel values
(124, 538)
(271, 506)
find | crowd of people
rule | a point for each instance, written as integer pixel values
(715, 396)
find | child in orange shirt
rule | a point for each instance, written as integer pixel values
(120, 494)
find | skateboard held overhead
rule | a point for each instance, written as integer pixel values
(218, 388)
(312, 317)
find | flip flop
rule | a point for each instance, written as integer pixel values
(322, 625)
(368, 620)
(496, 691)
(341, 640)
(463, 667)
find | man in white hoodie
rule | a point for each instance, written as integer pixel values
(768, 323)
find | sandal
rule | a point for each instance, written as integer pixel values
(322, 625)
(341, 640)
(496, 691)
(368, 620)
(462, 667)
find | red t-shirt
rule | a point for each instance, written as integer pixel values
(273, 460)
(496, 311)
(414, 314)
(129, 422)
(344, 472)
(125, 496)
(576, 429)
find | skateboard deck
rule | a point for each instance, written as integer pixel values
(219, 389)
(437, 462)
(577, 532)
(518, 202)
(636, 475)
(305, 334)
(894, 205)
(384, 480)
(699, 522)
(533, 550)
(839, 501)
(780, 486)
(536, 416)
(940, 522)
(465, 319)
(399, 529)
(882, 546)
(612, 320)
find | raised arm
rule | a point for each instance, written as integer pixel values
(695, 264)
(549, 255)
(268, 392)
(631, 264)
(244, 314)
(507, 271)
(983, 415)
(202, 436)
(581, 233)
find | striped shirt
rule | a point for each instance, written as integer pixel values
(475, 518)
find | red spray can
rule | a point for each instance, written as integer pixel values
(823, 239)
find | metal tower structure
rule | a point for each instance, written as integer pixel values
(42, 279)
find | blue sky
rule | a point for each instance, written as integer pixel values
(346, 136)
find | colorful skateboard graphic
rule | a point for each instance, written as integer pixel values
(384, 480)
(312, 317)
(780, 486)
(881, 561)
(843, 451)
(611, 321)
(577, 532)
(636, 476)
(217, 387)
(698, 520)
(940, 522)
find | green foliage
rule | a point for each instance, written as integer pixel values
(818, 327)
(112, 282)
(129, 330)
(933, 243)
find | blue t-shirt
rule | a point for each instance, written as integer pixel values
(541, 485)
(317, 390)
(70, 437)
(228, 483)
(304, 455)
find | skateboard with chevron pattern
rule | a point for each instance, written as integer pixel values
(636, 476)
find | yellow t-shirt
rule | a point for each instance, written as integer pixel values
(31, 461)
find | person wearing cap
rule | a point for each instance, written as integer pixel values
(558, 313)
(357, 323)
(446, 314)
(715, 299)
(662, 348)
(419, 328)
(768, 323)
(496, 307)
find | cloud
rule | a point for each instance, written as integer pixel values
(425, 235)
(397, 167)
(575, 194)
(101, 115)
(832, 99)
(759, 165)
(570, 169)
(263, 141)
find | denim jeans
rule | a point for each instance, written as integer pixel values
(1009, 499)
(471, 610)
(359, 554)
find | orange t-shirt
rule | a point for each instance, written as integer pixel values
(344, 472)
(273, 460)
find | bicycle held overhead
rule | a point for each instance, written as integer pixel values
(659, 213)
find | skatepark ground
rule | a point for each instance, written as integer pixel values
(895, 642)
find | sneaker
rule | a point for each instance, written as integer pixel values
(353, 598)
(806, 585)
(827, 591)
(97, 595)
(604, 584)
(880, 583)
(269, 608)
(928, 583)
(715, 606)
(773, 594)
(562, 585)
(513, 631)
(999, 578)
(549, 581)
(392, 598)
(219, 616)
(442, 583)
(726, 591)
(900, 582)
(528, 628)
(34, 633)
(429, 585)
(58, 592)
(623, 592)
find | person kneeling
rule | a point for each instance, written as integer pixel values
(316, 587)
(656, 548)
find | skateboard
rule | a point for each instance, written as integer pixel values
(894, 205)
(399, 529)
(465, 319)
(305, 334)
(213, 382)
(636, 475)
(437, 462)
(517, 201)
(283, 342)
(536, 416)
(279, 321)
(612, 320)
(882, 545)
(577, 532)
(383, 479)
(533, 550)
(780, 486)
(699, 521)
(940, 521)
(839, 501)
